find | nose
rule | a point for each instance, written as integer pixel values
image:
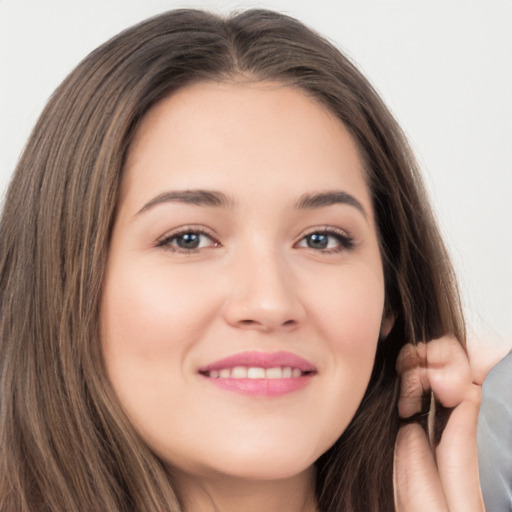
(263, 295)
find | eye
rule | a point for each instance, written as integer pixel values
(188, 240)
(330, 241)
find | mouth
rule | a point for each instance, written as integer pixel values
(258, 373)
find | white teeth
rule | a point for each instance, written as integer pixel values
(256, 372)
(239, 372)
(274, 373)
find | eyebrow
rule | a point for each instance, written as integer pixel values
(329, 198)
(196, 197)
(214, 198)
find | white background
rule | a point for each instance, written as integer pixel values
(443, 66)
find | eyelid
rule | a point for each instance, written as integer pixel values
(163, 241)
(347, 241)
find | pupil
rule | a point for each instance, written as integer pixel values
(188, 241)
(317, 241)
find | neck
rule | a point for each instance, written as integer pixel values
(226, 494)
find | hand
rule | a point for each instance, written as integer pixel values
(437, 471)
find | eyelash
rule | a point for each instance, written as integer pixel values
(167, 240)
(344, 240)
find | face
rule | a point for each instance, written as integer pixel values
(244, 289)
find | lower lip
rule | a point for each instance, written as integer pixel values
(262, 387)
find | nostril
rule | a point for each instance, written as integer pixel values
(255, 323)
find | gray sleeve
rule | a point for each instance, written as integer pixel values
(495, 438)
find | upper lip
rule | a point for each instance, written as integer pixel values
(261, 360)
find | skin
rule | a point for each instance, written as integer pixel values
(256, 282)
(438, 476)
(254, 285)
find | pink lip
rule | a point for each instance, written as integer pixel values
(261, 387)
(261, 359)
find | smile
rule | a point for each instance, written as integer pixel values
(256, 372)
(260, 374)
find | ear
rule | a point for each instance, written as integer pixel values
(388, 321)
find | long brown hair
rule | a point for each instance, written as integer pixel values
(65, 443)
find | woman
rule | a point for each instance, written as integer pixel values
(214, 248)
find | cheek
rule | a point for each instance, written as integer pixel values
(349, 317)
(350, 311)
(151, 312)
(150, 320)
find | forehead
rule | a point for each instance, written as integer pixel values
(243, 136)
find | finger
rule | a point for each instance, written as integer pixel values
(457, 457)
(450, 377)
(448, 371)
(411, 366)
(416, 480)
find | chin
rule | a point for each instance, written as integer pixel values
(261, 461)
(247, 460)
(262, 468)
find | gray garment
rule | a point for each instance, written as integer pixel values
(495, 438)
